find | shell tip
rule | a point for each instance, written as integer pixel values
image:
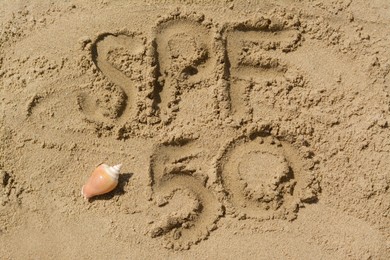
(117, 167)
(82, 193)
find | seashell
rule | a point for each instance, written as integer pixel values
(102, 180)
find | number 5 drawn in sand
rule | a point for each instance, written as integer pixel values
(188, 209)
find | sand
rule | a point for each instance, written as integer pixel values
(247, 130)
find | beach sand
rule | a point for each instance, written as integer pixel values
(246, 129)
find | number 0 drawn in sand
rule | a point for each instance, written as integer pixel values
(265, 178)
(113, 55)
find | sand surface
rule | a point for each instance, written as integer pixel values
(246, 129)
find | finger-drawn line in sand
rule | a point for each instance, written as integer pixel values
(255, 54)
(265, 178)
(114, 55)
(188, 210)
(186, 57)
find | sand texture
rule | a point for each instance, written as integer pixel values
(246, 129)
